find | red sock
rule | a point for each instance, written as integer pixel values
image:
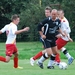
(2, 59)
(38, 55)
(15, 62)
(57, 59)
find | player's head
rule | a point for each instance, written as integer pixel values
(15, 19)
(54, 14)
(60, 14)
(48, 11)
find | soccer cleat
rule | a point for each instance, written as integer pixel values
(70, 60)
(50, 67)
(56, 63)
(18, 67)
(40, 65)
(32, 61)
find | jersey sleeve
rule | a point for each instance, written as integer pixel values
(4, 29)
(42, 23)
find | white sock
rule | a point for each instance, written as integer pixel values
(68, 55)
(51, 62)
(42, 59)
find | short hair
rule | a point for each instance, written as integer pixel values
(48, 8)
(14, 17)
(54, 10)
(61, 10)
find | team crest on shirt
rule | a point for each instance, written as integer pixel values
(56, 23)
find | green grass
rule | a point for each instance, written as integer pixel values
(29, 49)
(7, 69)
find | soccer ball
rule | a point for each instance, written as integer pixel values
(63, 65)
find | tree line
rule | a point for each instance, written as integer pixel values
(31, 13)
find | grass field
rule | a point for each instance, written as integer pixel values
(7, 69)
(29, 49)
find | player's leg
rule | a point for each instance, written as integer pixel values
(66, 53)
(8, 54)
(38, 55)
(60, 43)
(44, 57)
(15, 59)
(57, 59)
(52, 58)
(5, 59)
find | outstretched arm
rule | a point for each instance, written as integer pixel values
(22, 30)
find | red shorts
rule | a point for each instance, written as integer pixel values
(10, 49)
(60, 43)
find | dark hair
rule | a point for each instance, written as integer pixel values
(48, 8)
(14, 17)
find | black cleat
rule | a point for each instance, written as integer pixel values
(40, 65)
(50, 67)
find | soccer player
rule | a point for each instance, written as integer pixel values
(61, 42)
(38, 55)
(11, 32)
(51, 24)
(57, 59)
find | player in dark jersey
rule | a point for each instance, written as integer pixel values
(50, 24)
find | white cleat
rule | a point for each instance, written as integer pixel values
(32, 61)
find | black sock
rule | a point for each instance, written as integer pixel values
(65, 51)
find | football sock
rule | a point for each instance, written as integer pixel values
(51, 61)
(38, 55)
(3, 59)
(15, 62)
(64, 50)
(68, 55)
(43, 58)
(57, 58)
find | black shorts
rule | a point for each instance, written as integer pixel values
(48, 43)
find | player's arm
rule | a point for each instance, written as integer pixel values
(42, 23)
(59, 29)
(42, 35)
(0, 32)
(3, 29)
(22, 30)
(40, 26)
(61, 32)
(67, 36)
(66, 30)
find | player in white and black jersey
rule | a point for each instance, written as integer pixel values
(50, 25)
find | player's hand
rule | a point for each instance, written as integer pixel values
(26, 29)
(43, 37)
(70, 40)
(63, 35)
(58, 36)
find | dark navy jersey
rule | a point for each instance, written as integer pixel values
(50, 27)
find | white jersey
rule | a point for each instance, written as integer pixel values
(65, 27)
(10, 32)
